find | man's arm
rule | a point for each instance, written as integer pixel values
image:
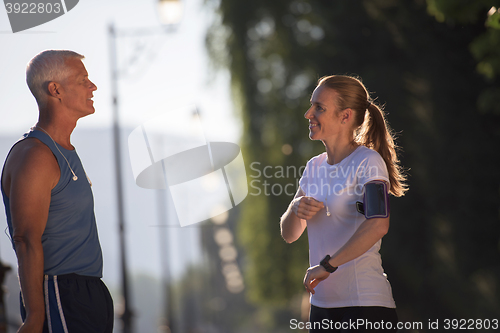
(31, 172)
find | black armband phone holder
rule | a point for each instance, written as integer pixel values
(375, 200)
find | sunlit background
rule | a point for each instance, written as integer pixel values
(161, 68)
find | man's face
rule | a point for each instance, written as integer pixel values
(78, 89)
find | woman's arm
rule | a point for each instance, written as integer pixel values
(368, 233)
(293, 222)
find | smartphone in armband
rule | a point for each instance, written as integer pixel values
(375, 200)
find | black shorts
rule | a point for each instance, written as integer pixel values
(353, 319)
(76, 304)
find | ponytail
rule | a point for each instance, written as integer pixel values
(371, 128)
(375, 133)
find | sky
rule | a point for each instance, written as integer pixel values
(171, 71)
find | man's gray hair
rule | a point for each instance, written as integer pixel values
(47, 66)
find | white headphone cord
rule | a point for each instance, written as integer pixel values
(75, 177)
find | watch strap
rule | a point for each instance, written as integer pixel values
(326, 265)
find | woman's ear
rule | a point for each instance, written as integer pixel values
(346, 115)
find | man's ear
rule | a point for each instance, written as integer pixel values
(54, 89)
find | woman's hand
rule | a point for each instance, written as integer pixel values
(314, 276)
(306, 207)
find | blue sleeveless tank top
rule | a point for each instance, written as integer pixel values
(70, 241)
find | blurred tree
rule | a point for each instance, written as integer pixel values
(485, 47)
(442, 253)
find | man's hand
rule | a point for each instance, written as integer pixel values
(306, 207)
(31, 326)
(314, 276)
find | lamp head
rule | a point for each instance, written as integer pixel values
(170, 11)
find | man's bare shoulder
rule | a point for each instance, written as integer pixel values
(32, 159)
(31, 150)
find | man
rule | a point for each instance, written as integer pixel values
(50, 209)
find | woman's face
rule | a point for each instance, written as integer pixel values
(324, 122)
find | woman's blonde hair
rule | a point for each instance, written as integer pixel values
(371, 128)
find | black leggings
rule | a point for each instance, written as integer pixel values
(353, 319)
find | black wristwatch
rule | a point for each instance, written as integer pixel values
(326, 265)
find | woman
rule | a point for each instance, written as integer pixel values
(346, 279)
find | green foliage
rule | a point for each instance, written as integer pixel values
(460, 11)
(485, 47)
(445, 232)
(493, 20)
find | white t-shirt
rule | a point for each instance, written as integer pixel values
(362, 281)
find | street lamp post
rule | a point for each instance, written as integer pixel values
(170, 12)
(126, 315)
